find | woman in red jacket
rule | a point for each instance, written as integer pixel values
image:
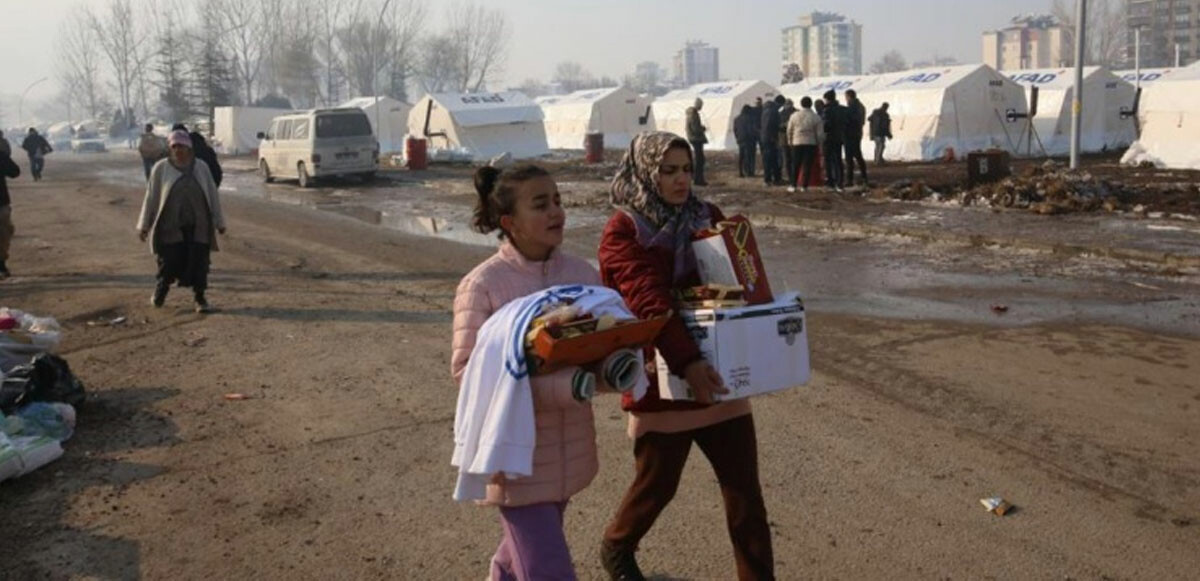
(646, 253)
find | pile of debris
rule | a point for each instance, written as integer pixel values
(1052, 189)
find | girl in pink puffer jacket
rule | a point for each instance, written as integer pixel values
(524, 205)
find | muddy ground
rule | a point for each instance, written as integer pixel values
(1081, 406)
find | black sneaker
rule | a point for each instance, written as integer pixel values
(621, 565)
(202, 305)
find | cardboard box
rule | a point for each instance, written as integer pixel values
(757, 349)
(728, 255)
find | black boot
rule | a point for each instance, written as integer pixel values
(3, 270)
(202, 303)
(621, 565)
(160, 294)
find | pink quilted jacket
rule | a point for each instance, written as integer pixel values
(564, 461)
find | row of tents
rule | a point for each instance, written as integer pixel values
(960, 108)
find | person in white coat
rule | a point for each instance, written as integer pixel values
(180, 217)
(804, 132)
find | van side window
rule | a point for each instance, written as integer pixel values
(285, 130)
(300, 129)
(273, 132)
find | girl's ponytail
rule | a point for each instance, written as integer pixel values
(497, 191)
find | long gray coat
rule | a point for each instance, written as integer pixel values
(162, 177)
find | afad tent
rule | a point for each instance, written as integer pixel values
(722, 104)
(392, 118)
(935, 110)
(1170, 118)
(482, 124)
(1148, 76)
(619, 113)
(816, 87)
(236, 129)
(1105, 98)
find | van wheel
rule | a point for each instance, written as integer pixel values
(302, 172)
(265, 172)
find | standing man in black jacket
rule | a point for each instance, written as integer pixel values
(8, 169)
(856, 117)
(696, 136)
(744, 131)
(789, 162)
(835, 141)
(769, 135)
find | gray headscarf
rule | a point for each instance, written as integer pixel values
(635, 192)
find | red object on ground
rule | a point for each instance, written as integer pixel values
(416, 153)
(593, 147)
(818, 172)
(7, 323)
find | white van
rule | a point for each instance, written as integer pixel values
(307, 145)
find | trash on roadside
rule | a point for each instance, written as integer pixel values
(999, 309)
(24, 334)
(236, 396)
(46, 378)
(996, 505)
(196, 341)
(107, 322)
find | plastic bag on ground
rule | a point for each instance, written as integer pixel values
(29, 334)
(47, 378)
(23, 454)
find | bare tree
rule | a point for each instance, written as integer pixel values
(241, 27)
(647, 77)
(166, 20)
(330, 15)
(480, 38)
(1107, 31)
(380, 37)
(891, 62)
(78, 65)
(572, 76)
(118, 38)
(438, 70)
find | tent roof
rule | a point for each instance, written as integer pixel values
(1058, 79)
(1148, 75)
(926, 79)
(586, 96)
(479, 109)
(364, 102)
(722, 90)
(1188, 73)
(821, 84)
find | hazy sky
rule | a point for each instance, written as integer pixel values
(610, 36)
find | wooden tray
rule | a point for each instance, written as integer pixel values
(550, 354)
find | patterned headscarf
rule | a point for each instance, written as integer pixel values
(635, 191)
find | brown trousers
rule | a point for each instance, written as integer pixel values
(6, 231)
(732, 450)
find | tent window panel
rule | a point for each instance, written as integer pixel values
(300, 129)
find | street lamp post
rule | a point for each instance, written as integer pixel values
(1077, 104)
(21, 103)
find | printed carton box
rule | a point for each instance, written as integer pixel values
(728, 255)
(757, 349)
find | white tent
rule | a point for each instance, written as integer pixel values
(236, 129)
(1148, 76)
(483, 124)
(618, 113)
(1104, 97)
(392, 119)
(722, 104)
(933, 110)
(816, 87)
(1170, 118)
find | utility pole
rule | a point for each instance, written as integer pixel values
(1077, 104)
(1177, 55)
(1137, 56)
(375, 68)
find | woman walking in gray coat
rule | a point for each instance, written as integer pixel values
(181, 216)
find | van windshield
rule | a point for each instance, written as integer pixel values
(342, 126)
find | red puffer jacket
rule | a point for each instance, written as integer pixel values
(644, 278)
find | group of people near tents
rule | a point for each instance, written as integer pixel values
(799, 141)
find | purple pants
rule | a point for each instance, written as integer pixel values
(534, 546)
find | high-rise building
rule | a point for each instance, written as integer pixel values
(1029, 42)
(824, 44)
(1167, 27)
(697, 63)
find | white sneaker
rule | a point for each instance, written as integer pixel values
(791, 189)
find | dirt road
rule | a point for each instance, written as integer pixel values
(338, 465)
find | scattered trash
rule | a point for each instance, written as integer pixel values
(999, 309)
(1144, 285)
(46, 378)
(996, 505)
(237, 396)
(196, 341)
(107, 322)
